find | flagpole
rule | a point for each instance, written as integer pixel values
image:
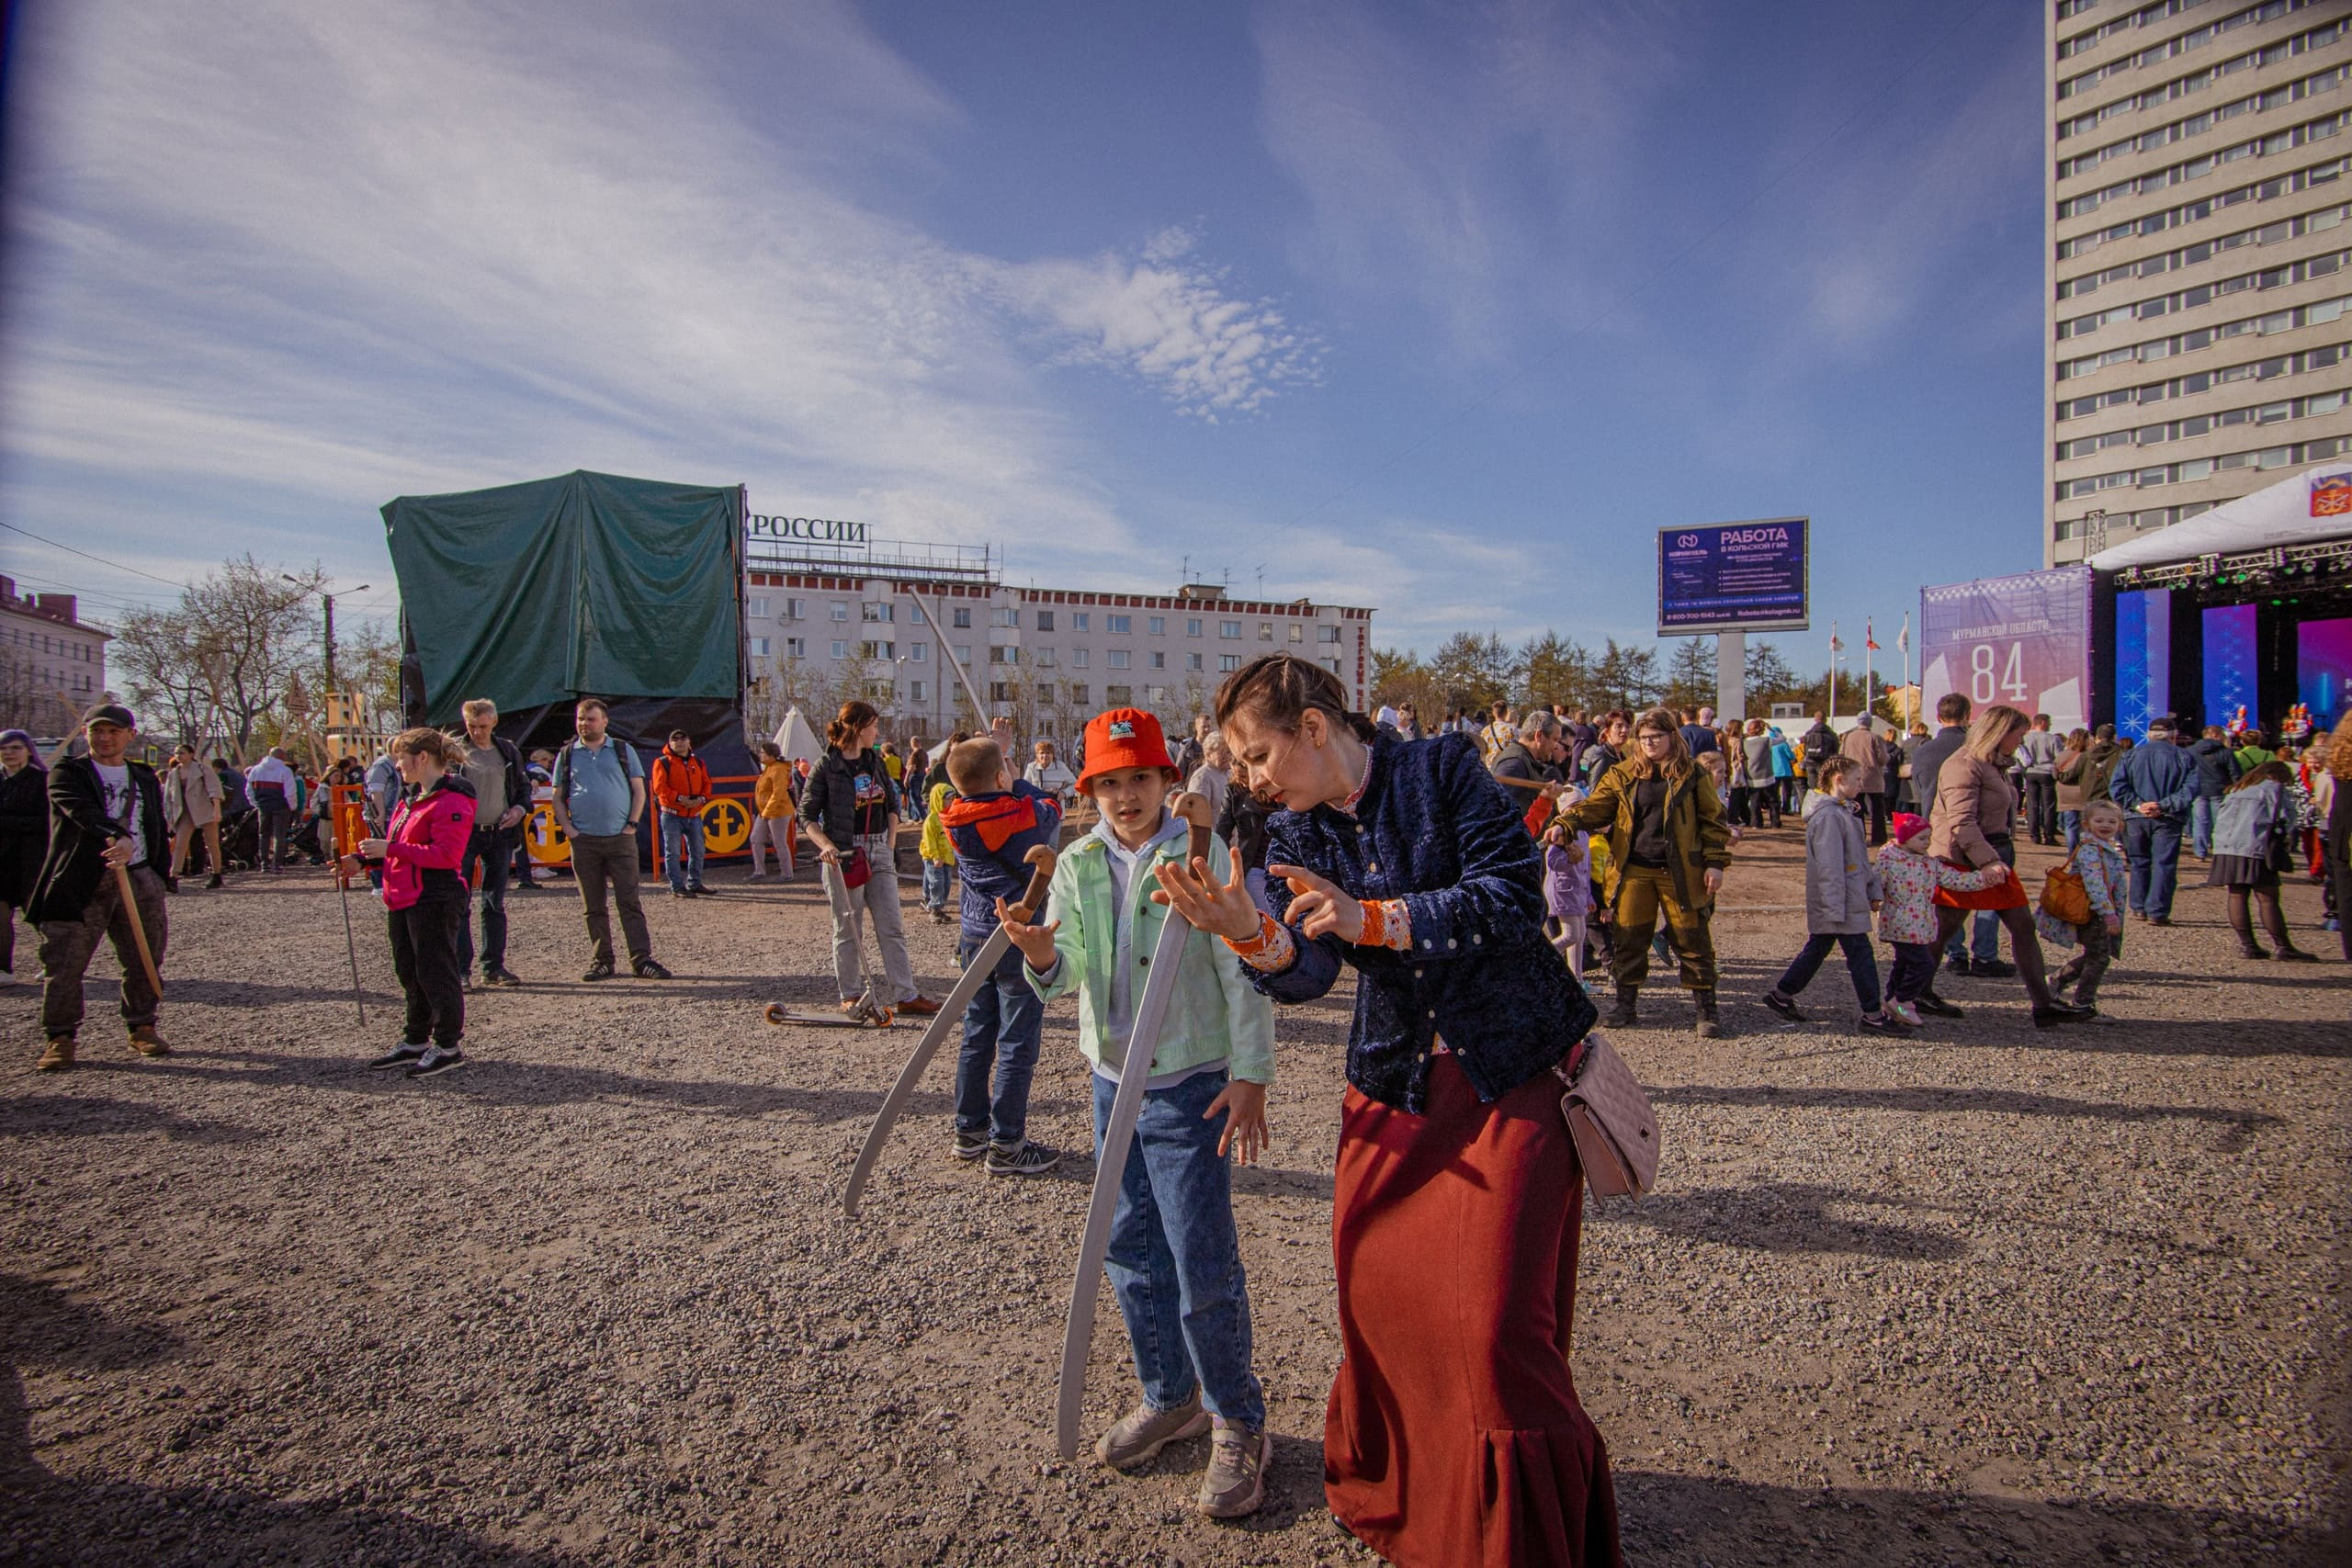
(1832, 675)
(1902, 641)
(1869, 641)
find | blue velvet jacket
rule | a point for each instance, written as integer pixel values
(1434, 829)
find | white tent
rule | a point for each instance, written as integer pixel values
(2314, 504)
(797, 740)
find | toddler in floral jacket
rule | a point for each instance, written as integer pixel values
(1908, 877)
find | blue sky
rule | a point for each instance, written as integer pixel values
(1371, 299)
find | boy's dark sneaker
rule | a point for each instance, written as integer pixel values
(600, 970)
(1786, 1007)
(438, 1059)
(2059, 1012)
(1235, 1482)
(398, 1057)
(971, 1146)
(699, 891)
(500, 976)
(1935, 1006)
(1143, 1432)
(646, 969)
(1992, 969)
(1884, 1023)
(1023, 1158)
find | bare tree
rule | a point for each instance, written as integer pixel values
(254, 631)
(159, 655)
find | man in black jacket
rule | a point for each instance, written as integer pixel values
(105, 811)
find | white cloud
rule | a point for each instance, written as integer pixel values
(342, 252)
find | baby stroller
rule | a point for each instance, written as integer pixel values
(240, 841)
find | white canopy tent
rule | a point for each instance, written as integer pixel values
(797, 740)
(2314, 504)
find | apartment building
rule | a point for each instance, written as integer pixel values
(2199, 258)
(52, 667)
(823, 622)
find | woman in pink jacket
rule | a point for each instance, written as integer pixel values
(425, 899)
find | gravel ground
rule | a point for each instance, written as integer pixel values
(1982, 1294)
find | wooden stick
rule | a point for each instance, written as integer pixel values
(138, 927)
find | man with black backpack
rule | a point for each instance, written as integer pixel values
(599, 801)
(502, 795)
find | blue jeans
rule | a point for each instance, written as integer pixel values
(491, 848)
(2152, 846)
(2201, 825)
(1984, 930)
(2070, 823)
(1001, 1028)
(937, 874)
(682, 829)
(1861, 963)
(1175, 1259)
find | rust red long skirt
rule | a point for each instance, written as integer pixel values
(1455, 1435)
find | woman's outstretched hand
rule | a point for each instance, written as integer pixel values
(1318, 907)
(1220, 908)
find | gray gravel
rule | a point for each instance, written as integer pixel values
(1982, 1294)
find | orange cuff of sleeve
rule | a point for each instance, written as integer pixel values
(1271, 948)
(1387, 923)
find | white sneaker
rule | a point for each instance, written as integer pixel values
(7, 977)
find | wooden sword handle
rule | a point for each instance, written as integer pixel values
(1041, 877)
(1194, 809)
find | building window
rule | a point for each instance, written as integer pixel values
(1191, 661)
(1333, 665)
(1192, 626)
(795, 647)
(1118, 626)
(878, 610)
(960, 618)
(999, 691)
(1004, 615)
(758, 606)
(1265, 631)
(1228, 662)
(1159, 659)
(1046, 658)
(1229, 630)
(1081, 695)
(1326, 634)
(1079, 658)
(796, 609)
(1045, 620)
(1117, 659)
(914, 615)
(1080, 621)
(840, 650)
(963, 654)
(877, 651)
(759, 646)
(918, 652)
(1119, 696)
(999, 653)
(915, 691)
(1158, 626)
(841, 611)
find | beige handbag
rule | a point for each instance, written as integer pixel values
(1611, 1121)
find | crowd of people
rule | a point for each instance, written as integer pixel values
(1466, 874)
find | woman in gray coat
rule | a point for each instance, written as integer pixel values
(192, 804)
(1841, 892)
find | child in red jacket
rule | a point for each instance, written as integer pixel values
(425, 899)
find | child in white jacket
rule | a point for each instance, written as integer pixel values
(1842, 892)
(1907, 878)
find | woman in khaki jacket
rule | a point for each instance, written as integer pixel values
(1976, 814)
(192, 804)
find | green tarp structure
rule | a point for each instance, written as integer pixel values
(533, 594)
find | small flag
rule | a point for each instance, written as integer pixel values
(1835, 645)
(1903, 637)
(1869, 640)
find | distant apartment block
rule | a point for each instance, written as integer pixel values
(52, 667)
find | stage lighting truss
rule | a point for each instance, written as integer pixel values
(2246, 569)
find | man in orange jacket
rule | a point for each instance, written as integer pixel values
(681, 788)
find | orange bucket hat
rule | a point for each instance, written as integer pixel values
(1122, 737)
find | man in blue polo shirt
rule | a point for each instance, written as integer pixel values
(599, 801)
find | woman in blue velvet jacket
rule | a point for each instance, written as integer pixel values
(1453, 1419)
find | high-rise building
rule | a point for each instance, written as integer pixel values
(829, 613)
(2199, 258)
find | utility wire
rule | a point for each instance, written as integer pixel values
(1656, 276)
(86, 555)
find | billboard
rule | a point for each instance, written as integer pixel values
(2022, 640)
(1731, 577)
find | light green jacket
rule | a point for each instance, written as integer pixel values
(1216, 1012)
